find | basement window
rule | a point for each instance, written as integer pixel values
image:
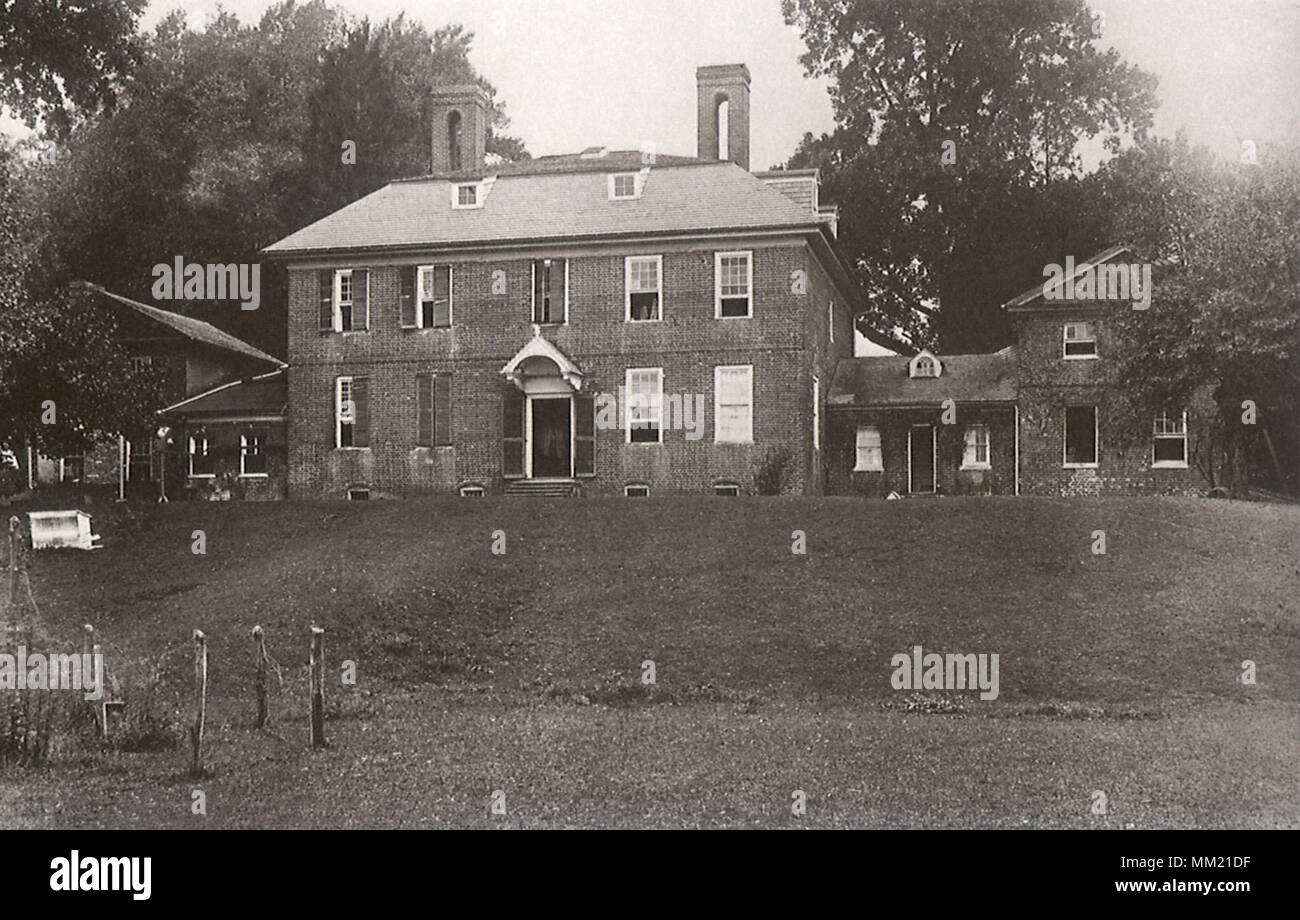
(726, 488)
(471, 490)
(358, 495)
(636, 490)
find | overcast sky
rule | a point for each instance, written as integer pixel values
(576, 73)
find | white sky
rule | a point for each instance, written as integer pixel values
(576, 73)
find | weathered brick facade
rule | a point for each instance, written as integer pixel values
(785, 340)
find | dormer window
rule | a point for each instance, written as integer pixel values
(622, 186)
(465, 195)
(924, 365)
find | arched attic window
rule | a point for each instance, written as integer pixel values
(453, 139)
(721, 113)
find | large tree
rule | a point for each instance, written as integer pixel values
(955, 157)
(58, 57)
(1225, 315)
(231, 137)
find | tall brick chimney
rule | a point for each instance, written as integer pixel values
(715, 85)
(459, 128)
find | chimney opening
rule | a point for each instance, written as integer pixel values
(453, 139)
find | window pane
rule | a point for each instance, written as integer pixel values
(1171, 450)
(1081, 434)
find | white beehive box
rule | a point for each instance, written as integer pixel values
(53, 529)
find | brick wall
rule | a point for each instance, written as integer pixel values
(784, 340)
(949, 443)
(1049, 384)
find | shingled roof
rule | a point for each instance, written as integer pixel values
(555, 198)
(264, 395)
(188, 326)
(883, 382)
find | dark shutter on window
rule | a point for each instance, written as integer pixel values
(360, 293)
(325, 291)
(557, 291)
(406, 299)
(512, 429)
(442, 295)
(442, 410)
(584, 436)
(423, 410)
(539, 290)
(361, 407)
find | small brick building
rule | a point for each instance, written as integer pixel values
(619, 320)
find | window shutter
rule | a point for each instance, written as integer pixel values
(442, 295)
(559, 268)
(512, 434)
(584, 453)
(539, 276)
(406, 300)
(325, 282)
(360, 298)
(442, 410)
(361, 411)
(423, 410)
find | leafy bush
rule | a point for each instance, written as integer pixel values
(12, 481)
(773, 472)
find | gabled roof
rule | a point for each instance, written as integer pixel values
(565, 200)
(884, 382)
(194, 329)
(263, 395)
(1037, 291)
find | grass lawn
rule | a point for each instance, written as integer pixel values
(522, 672)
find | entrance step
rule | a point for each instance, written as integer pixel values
(544, 488)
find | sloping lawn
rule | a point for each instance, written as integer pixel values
(522, 671)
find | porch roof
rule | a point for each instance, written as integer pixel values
(883, 382)
(540, 347)
(257, 397)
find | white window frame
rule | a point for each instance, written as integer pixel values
(189, 457)
(1096, 440)
(532, 287)
(627, 287)
(338, 412)
(717, 402)
(627, 388)
(613, 186)
(718, 257)
(817, 413)
(876, 466)
(419, 295)
(1164, 436)
(970, 448)
(243, 453)
(339, 274)
(627, 489)
(830, 321)
(455, 196)
(1089, 335)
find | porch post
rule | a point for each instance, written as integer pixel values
(1016, 438)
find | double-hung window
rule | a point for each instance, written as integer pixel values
(252, 453)
(868, 454)
(434, 287)
(643, 283)
(1079, 340)
(645, 405)
(733, 284)
(1169, 441)
(975, 450)
(200, 457)
(550, 290)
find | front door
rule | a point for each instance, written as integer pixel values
(920, 452)
(551, 441)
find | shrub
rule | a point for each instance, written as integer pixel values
(773, 472)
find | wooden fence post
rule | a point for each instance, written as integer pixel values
(262, 662)
(200, 699)
(14, 524)
(317, 688)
